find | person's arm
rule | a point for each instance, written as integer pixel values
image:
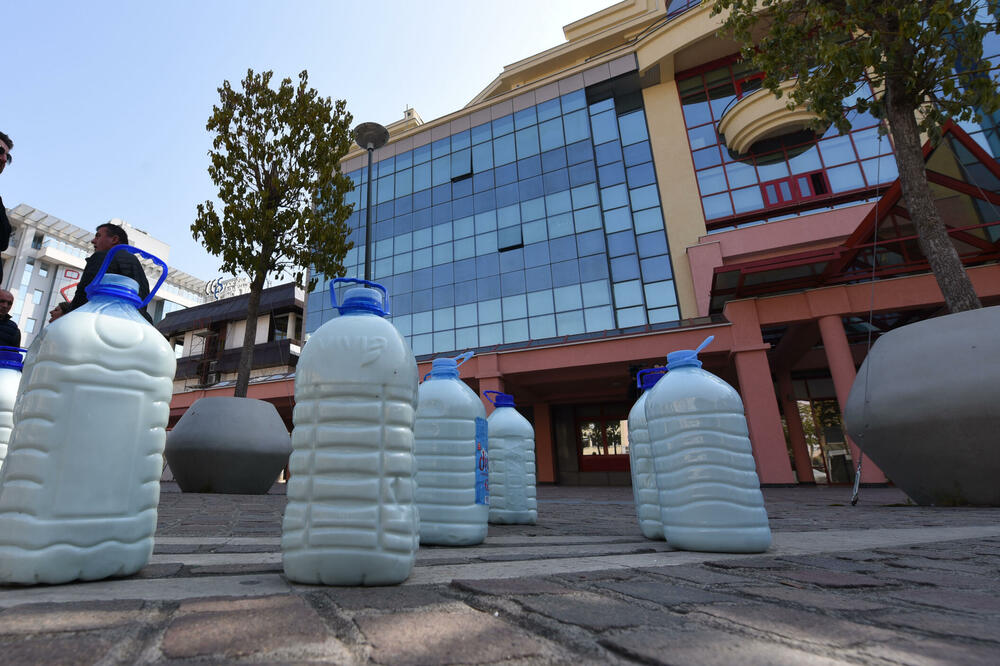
(5, 228)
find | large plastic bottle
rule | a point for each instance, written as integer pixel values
(710, 497)
(450, 446)
(80, 486)
(351, 517)
(644, 489)
(11, 363)
(511, 464)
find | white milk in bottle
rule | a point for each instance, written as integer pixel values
(640, 454)
(11, 364)
(450, 446)
(512, 464)
(351, 518)
(81, 483)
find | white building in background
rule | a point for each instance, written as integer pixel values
(45, 261)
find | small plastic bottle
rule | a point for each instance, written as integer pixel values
(512, 464)
(451, 452)
(81, 483)
(710, 495)
(644, 489)
(11, 363)
(351, 518)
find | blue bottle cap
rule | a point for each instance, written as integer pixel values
(499, 399)
(646, 379)
(117, 286)
(369, 298)
(444, 368)
(686, 358)
(11, 357)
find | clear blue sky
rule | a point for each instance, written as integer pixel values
(106, 102)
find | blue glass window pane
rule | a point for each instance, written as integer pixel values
(587, 219)
(845, 178)
(404, 182)
(402, 263)
(656, 268)
(590, 243)
(481, 133)
(604, 127)
(529, 167)
(717, 206)
(460, 140)
(465, 270)
(539, 277)
(512, 260)
(565, 273)
(598, 319)
(441, 212)
(383, 248)
(706, 157)
(384, 189)
(628, 294)
(383, 268)
(512, 283)
(509, 237)
(422, 258)
(560, 225)
(422, 345)
(773, 171)
(596, 293)
(576, 127)
(558, 202)
(580, 174)
(837, 150)
(569, 323)
(465, 292)
(515, 307)
(550, 134)
(385, 167)
(641, 175)
(618, 219)
(554, 159)
(486, 243)
(868, 143)
(548, 109)
(442, 253)
(503, 151)
(503, 125)
(542, 327)
(605, 104)
(489, 311)
(465, 248)
(422, 301)
(400, 321)
(527, 141)
(482, 157)
(806, 162)
(594, 267)
(444, 298)
(880, 170)
(711, 181)
(532, 209)
(487, 288)
(404, 160)
(702, 137)
(644, 197)
(660, 294)
(534, 232)
(463, 228)
(490, 334)
(662, 315)
(614, 197)
(441, 147)
(696, 112)
(508, 216)
(574, 100)
(561, 249)
(607, 153)
(466, 315)
(467, 338)
(506, 195)
(555, 181)
(637, 153)
(515, 331)
(740, 174)
(536, 254)
(421, 199)
(611, 174)
(441, 170)
(483, 181)
(651, 245)
(579, 152)
(444, 341)
(621, 243)
(747, 199)
(485, 201)
(403, 282)
(567, 298)
(525, 118)
(633, 127)
(631, 317)
(505, 174)
(460, 207)
(625, 268)
(584, 196)
(540, 302)
(422, 153)
(423, 238)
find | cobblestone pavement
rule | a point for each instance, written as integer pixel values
(883, 582)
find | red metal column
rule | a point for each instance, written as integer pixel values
(545, 450)
(803, 463)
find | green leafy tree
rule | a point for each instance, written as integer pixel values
(276, 160)
(924, 60)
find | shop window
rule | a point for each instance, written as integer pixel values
(602, 437)
(794, 188)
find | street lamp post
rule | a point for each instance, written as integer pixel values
(371, 137)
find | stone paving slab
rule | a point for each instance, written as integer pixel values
(884, 582)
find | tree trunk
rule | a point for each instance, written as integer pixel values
(932, 235)
(249, 337)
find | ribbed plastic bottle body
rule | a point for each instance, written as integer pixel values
(445, 450)
(710, 497)
(513, 497)
(9, 379)
(81, 483)
(351, 518)
(644, 488)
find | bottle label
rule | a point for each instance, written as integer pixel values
(482, 463)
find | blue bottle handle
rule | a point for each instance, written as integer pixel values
(647, 371)
(459, 360)
(366, 283)
(134, 250)
(18, 349)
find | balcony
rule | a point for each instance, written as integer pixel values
(760, 115)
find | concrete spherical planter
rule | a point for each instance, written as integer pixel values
(228, 445)
(924, 408)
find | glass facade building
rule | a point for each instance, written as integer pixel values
(541, 224)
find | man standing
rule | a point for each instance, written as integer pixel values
(10, 334)
(6, 145)
(122, 263)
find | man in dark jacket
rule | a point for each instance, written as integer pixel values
(122, 263)
(10, 334)
(6, 145)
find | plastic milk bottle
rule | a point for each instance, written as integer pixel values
(710, 495)
(11, 363)
(81, 483)
(451, 451)
(644, 490)
(512, 464)
(351, 518)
